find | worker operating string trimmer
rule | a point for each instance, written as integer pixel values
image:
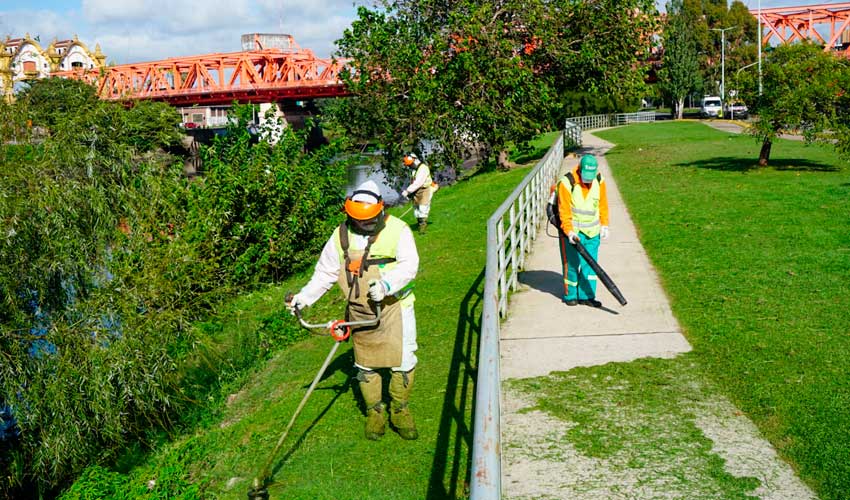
(579, 209)
(372, 257)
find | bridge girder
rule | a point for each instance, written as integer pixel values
(788, 24)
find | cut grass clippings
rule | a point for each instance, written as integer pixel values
(756, 262)
(635, 430)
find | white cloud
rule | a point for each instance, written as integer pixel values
(168, 16)
(45, 24)
(186, 28)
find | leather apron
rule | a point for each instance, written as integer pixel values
(378, 346)
(422, 196)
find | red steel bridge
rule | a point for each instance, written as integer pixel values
(827, 24)
(252, 76)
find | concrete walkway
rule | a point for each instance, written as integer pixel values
(542, 335)
(556, 337)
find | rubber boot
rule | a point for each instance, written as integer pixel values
(423, 225)
(370, 387)
(401, 384)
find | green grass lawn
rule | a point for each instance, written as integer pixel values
(325, 455)
(756, 262)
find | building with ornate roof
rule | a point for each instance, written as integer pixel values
(24, 59)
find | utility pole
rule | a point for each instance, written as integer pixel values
(723, 60)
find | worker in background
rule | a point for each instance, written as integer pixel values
(421, 189)
(583, 210)
(372, 256)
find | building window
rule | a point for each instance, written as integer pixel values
(76, 65)
(29, 67)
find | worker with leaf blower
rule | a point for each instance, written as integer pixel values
(422, 187)
(583, 212)
(372, 256)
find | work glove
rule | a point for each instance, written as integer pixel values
(404, 195)
(377, 290)
(572, 237)
(603, 233)
(298, 302)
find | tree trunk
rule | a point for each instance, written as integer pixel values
(764, 155)
(680, 108)
(503, 162)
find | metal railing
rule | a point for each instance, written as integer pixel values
(592, 122)
(510, 233)
(572, 135)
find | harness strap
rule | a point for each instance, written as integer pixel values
(351, 275)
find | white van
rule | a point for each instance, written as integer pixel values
(711, 106)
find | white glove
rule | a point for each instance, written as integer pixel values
(377, 290)
(603, 233)
(405, 194)
(572, 237)
(297, 301)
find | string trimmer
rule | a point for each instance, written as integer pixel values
(339, 330)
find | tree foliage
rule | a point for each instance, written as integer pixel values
(805, 91)
(108, 256)
(261, 211)
(480, 75)
(680, 74)
(703, 18)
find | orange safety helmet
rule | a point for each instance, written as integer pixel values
(368, 203)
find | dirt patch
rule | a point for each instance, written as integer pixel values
(648, 429)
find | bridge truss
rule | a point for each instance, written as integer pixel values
(256, 76)
(788, 24)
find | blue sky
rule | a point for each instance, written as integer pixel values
(144, 30)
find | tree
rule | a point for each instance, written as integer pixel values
(475, 74)
(109, 254)
(680, 74)
(804, 91)
(703, 16)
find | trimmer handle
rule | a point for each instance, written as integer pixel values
(296, 309)
(339, 329)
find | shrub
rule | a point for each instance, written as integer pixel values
(109, 254)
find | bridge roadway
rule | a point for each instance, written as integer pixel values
(541, 334)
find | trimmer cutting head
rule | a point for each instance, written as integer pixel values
(258, 494)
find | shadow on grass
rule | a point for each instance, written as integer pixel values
(533, 155)
(737, 164)
(453, 452)
(344, 363)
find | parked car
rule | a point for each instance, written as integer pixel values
(736, 110)
(711, 106)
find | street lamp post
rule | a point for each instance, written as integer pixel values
(723, 60)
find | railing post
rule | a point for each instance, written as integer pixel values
(503, 289)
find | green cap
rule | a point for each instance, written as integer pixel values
(589, 167)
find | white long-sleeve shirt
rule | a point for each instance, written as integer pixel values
(422, 175)
(328, 267)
